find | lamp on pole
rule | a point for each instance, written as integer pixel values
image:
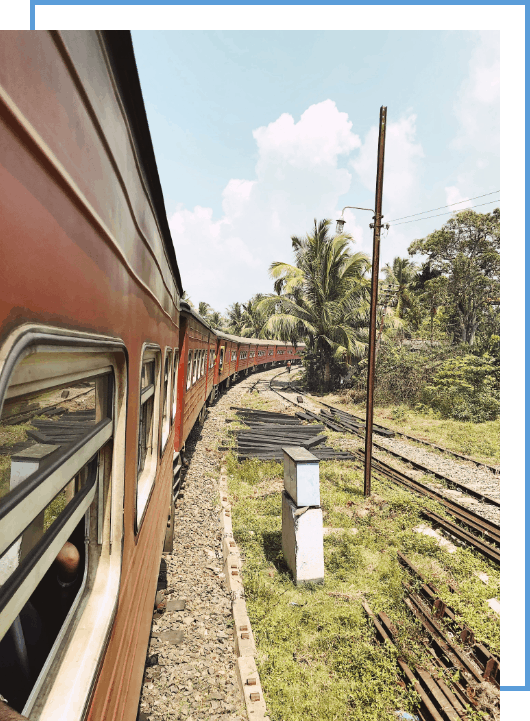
(376, 225)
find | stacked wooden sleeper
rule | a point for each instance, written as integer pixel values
(269, 432)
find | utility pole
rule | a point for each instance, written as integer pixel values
(373, 303)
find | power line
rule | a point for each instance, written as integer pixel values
(444, 206)
(446, 213)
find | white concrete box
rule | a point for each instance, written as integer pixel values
(303, 541)
(301, 476)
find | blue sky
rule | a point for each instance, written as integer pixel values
(256, 133)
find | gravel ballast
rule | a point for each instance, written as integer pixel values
(193, 671)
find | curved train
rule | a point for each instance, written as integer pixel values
(104, 371)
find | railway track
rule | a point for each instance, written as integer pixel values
(360, 424)
(481, 534)
(342, 421)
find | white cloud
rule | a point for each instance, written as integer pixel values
(478, 105)
(453, 196)
(297, 179)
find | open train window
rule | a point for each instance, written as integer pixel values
(175, 383)
(190, 368)
(221, 357)
(194, 366)
(166, 408)
(147, 428)
(61, 407)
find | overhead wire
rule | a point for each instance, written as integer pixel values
(447, 212)
(447, 206)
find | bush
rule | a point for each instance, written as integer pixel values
(401, 373)
(465, 389)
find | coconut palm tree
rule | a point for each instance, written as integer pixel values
(216, 320)
(322, 297)
(204, 309)
(400, 276)
(236, 318)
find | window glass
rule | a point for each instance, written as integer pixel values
(190, 368)
(175, 382)
(194, 366)
(167, 399)
(54, 432)
(148, 429)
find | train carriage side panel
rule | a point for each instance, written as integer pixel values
(83, 222)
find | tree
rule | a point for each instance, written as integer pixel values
(216, 320)
(466, 252)
(321, 297)
(236, 320)
(254, 317)
(401, 275)
(204, 309)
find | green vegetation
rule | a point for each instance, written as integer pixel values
(317, 654)
(321, 298)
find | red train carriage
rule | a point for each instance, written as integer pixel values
(103, 372)
(196, 380)
(89, 334)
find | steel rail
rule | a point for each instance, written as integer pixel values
(449, 481)
(493, 469)
(461, 513)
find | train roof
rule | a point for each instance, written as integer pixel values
(118, 44)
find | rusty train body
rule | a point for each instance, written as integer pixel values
(104, 371)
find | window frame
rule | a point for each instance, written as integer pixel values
(145, 479)
(82, 639)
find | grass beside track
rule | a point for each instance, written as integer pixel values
(478, 440)
(317, 654)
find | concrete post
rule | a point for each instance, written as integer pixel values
(302, 526)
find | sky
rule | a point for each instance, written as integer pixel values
(256, 133)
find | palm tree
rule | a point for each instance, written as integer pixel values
(400, 276)
(322, 297)
(254, 318)
(204, 309)
(216, 320)
(236, 319)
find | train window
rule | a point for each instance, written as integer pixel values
(147, 429)
(252, 353)
(203, 362)
(221, 357)
(271, 352)
(175, 383)
(58, 481)
(166, 412)
(195, 353)
(190, 366)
